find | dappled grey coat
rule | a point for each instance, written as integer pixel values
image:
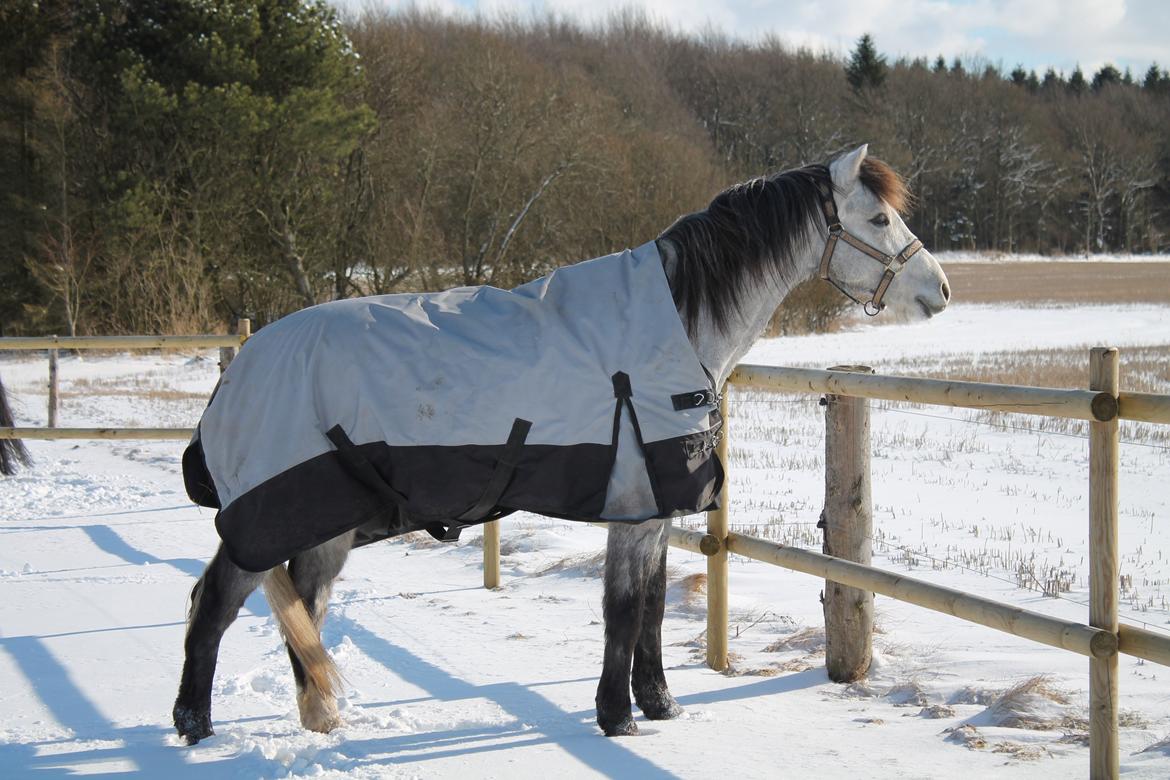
(402, 412)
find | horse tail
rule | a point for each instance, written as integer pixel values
(300, 632)
(12, 451)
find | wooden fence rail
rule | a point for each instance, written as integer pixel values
(174, 434)
(228, 346)
(1102, 404)
(26, 343)
(1101, 639)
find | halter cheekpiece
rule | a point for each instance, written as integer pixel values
(837, 232)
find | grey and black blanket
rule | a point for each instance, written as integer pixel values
(436, 411)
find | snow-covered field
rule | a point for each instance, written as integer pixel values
(444, 679)
(962, 256)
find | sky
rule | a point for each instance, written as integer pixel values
(1035, 33)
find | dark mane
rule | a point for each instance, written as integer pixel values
(750, 233)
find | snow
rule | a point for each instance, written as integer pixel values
(444, 679)
(973, 330)
(961, 256)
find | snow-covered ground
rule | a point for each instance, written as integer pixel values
(444, 679)
(962, 256)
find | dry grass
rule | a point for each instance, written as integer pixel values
(1025, 282)
(590, 565)
(806, 640)
(156, 394)
(147, 386)
(1030, 705)
(693, 589)
(1142, 370)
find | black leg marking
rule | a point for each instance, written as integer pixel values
(649, 680)
(622, 618)
(629, 552)
(216, 600)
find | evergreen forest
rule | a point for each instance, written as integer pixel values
(168, 166)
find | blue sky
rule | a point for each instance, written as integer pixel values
(1035, 33)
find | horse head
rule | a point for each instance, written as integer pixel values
(870, 254)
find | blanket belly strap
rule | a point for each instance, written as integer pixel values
(501, 476)
(444, 531)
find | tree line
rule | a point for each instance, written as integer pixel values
(172, 165)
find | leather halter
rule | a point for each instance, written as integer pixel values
(837, 232)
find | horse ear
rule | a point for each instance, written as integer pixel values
(846, 169)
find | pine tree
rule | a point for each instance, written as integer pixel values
(1076, 82)
(1105, 76)
(940, 65)
(866, 68)
(1156, 80)
(1019, 76)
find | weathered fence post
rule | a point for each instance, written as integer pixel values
(227, 354)
(847, 521)
(717, 568)
(491, 554)
(1104, 446)
(53, 388)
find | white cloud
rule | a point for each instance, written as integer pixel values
(1037, 33)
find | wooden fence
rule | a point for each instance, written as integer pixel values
(228, 346)
(850, 581)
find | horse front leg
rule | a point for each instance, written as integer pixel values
(628, 550)
(649, 680)
(215, 601)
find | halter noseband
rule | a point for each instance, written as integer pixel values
(893, 263)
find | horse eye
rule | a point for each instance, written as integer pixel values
(881, 220)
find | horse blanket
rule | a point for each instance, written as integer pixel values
(436, 411)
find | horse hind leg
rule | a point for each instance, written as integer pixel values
(648, 679)
(313, 573)
(215, 601)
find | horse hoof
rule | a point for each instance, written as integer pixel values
(624, 728)
(324, 726)
(192, 726)
(318, 713)
(661, 708)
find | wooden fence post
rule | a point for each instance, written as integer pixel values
(1104, 446)
(227, 354)
(54, 395)
(717, 568)
(847, 521)
(491, 554)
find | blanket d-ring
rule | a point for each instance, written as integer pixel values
(436, 411)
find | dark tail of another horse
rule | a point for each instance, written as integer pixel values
(12, 451)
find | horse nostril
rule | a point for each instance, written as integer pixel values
(946, 291)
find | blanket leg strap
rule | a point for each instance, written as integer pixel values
(360, 467)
